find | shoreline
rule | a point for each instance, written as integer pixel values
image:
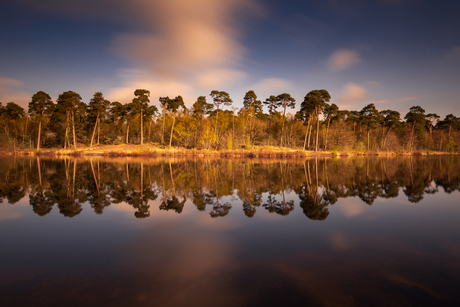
(152, 150)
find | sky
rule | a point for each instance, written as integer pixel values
(393, 53)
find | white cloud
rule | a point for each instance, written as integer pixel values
(192, 46)
(343, 59)
(351, 94)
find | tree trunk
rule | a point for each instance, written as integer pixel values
(39, 134)
(150, 127)
(217, 116)
(412, 136)
(250, 125)
(207, 136)
(282, 126)
(66, 141)
(98, 127)
(383, 135)
(142, 128)
(25, 129)
(327, 130)
(385, 138)
(172, 129)
(368, 140)
(269, 128)
(127, 134)
(306, 134)
(317, 131)
(94, 131)
(163, 130)
(244, 126)
(73, 131)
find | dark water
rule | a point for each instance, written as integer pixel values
(146, 232)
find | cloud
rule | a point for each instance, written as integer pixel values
(9, 93)
(385, 101)
(343, 59)
(132, 79)
(6, 83)
(192, 44)
(188, 44)
(351, 94)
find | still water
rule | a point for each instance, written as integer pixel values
(216, 232)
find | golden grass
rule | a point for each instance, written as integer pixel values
(157, 150)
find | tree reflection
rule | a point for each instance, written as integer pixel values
(214, 185)
(313, 205)
(272, 205)
(173, 202)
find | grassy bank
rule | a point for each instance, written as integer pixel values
(157, 150)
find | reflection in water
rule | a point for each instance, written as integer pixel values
(219, 183)
(386, 255)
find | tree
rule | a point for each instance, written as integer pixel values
(163, 103)
(218, 99)
(97, 106)
(449, 122)
(285, 100)
(330, 111)
(141, 101)
(317, 99)
(431, 120)
(11, 113)
(151, 112)
(253, 107)
(354, 118)
(389, 120)
(416, 117)
(118, 113)
(370, 118)
(173, 106)
(71, 103)
(306, 114)
(272, 104)
(40, 105)
(199, 109)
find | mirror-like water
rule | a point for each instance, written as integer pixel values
(324, 232)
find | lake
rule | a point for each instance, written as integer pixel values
(241, 232)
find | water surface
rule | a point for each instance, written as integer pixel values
(143, 232)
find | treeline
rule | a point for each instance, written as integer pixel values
(210, 184)
(318, 125)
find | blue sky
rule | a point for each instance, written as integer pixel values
(394, 53)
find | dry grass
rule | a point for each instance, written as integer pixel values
(157, 150)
